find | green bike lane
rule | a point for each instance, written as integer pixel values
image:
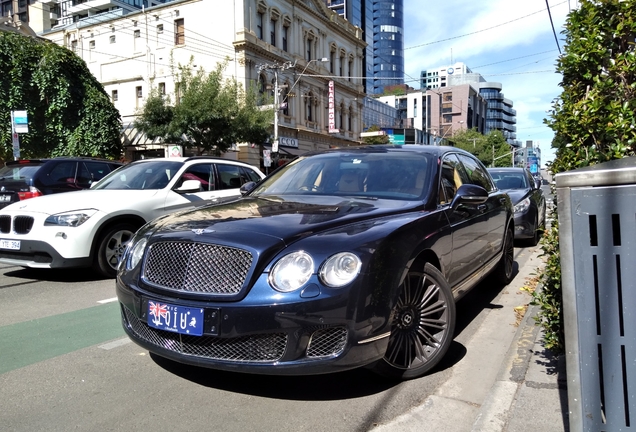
(26, 343)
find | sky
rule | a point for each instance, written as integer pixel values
(506, 41)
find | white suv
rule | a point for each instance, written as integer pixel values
(92, 227)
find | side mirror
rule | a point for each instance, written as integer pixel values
(537, 184)
(189, 186)
(247, 187)
(469, 194)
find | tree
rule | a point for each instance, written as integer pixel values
(379, 139)
(69, 112)
(593, 120)
(212, 113)
(484, 147)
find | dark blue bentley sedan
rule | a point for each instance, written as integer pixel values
(345, 258)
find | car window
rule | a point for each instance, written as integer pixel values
(451, 179)
(251, 175)
(17, 172)
(144, 175)
(62, 172)
(379, 175)
(98, 170)
(476, 172)
(201, 172)
(230, 176)
(510, 179)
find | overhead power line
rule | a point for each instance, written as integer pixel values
(552, 24)
(483, 30)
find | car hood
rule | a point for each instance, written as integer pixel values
(106, 200)
(285, 219)
(517, 195)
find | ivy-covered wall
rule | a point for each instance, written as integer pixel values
(69, 112)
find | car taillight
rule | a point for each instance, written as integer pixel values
(32, 193)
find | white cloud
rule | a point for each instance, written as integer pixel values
(519, 40)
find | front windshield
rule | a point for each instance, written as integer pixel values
(509, 179)
(143, 175)
(393, 175)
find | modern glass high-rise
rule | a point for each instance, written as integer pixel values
(388, 44)
(382, 22)
(359, 13)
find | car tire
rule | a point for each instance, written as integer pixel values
(503, 273)
(422, 327)
(110, 248)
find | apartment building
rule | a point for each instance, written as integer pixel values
(311, 45)
(500, 114)
(439, 113)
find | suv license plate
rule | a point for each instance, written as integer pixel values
(10, 244)
(174, 318)
(5, 198)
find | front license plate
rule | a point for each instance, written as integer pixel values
(177, 319)
(10, 244)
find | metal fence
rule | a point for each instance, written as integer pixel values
(597, 237)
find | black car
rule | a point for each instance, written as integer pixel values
(527, 198)
(339, 259)
(30, 178)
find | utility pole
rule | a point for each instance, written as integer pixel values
(276, 67)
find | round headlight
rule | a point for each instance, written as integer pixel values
(136, 253)
(340, 269)
(291, 272)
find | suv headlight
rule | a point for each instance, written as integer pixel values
(522, 206)
(291, 272)
(340, 269)
(72, 219)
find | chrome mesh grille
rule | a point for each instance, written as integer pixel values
(197, 267)
(22, 224)
(254, 348)
(327, 342)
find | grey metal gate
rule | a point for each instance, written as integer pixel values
(597, 236)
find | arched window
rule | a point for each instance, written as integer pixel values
(261, 89)
(311, 40)
(308, 107)
(351, 72)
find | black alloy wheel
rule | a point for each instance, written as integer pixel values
(422, 327)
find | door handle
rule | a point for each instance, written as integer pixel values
(482, 207)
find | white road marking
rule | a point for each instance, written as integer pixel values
(110, 300)
(115, 344)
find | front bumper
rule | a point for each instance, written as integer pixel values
(304, 337)
(524, 225)
(39, 254)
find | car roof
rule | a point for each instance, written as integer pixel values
(409, 148)
(194, 158)
(508, 169)
(59, 158)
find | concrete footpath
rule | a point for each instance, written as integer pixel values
(507, 382)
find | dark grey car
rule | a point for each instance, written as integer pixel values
(527, 198)
(30, 178)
